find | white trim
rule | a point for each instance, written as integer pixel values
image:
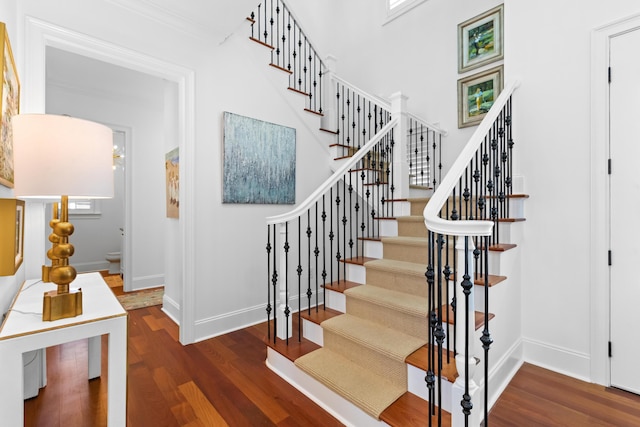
(558, 359)
(404, 7)
(600, 365)
(39, 35)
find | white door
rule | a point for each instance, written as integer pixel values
(625, 210)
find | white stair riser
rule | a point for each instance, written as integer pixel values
(312, 332)
(356, 273)
(388, 228)
(335, 301)
(417, 385)
(373, 249)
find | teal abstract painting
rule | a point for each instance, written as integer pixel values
(259, 161)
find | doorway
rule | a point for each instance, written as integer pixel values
(624, 224)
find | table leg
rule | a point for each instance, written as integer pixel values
(117, 385)
(11, 391)
(95, 356)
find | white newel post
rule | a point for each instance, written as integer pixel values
(400, 169)
(282, 320)
(329, 120)
(458, 389)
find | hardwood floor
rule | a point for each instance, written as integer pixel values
(224, 381)
(539, 397)
(218, 382)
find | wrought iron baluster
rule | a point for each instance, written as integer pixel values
(274, 283)
(299, 271)
(309, 233)
(486, 335)
(287, 310)
(466, 289)
(269, 309)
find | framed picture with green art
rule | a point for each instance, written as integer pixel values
(480, 40)
(476, 95)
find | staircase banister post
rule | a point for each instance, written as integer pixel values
(400, 169)
(465, 357)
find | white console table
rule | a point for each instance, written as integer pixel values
(24, 330)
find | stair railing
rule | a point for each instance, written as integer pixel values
(464, 213)
(306, 247)
(274, 26)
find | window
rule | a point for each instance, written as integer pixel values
(396, 8)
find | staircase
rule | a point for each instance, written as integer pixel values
(371, 313)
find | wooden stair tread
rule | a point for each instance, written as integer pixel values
(411, 411)
(317, 113)
(292, 89)
(320, 315)
(277, 67)
(511, 219)
(420, 359)
(501, 247)
(341, 286)
(360, 260)
(261, 43)
(295, 348)
(479, 316)
(331, 132)
(493, 280)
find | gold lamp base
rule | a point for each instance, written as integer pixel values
(62, 305)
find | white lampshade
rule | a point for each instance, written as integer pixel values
(61, 155)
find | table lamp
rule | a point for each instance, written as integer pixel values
(57, 158)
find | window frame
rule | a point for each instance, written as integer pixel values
(400, 9)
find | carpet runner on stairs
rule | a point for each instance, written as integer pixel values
(363, 361)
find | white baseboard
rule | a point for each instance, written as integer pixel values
(86, 267)
(171, 308)
(557, 359)
(146, 282)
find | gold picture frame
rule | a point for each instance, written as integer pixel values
(12, 232)
(9, 106)
(480, 39)
(476, 95)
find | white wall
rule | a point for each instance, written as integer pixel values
(10, 284)
(549, 47)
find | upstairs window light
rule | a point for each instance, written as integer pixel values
(396, 8)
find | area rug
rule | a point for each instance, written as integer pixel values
(141, 299)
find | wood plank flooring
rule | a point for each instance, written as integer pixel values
(218, 382)
(224, 381)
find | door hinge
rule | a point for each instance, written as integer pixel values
(609, 74)
(609, 349)
(609, 166)
(609, 257)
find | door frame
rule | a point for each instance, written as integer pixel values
(600, 323)
(38, 35)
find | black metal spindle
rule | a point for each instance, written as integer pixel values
(486, 336)
(299, 271)
(287, 310)
(269, 309)
(466, 403)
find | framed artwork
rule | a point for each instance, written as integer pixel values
(259, 161)
(12, 232)
(172, 172)
(476, 95)
(10, 105)
(480, 40)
